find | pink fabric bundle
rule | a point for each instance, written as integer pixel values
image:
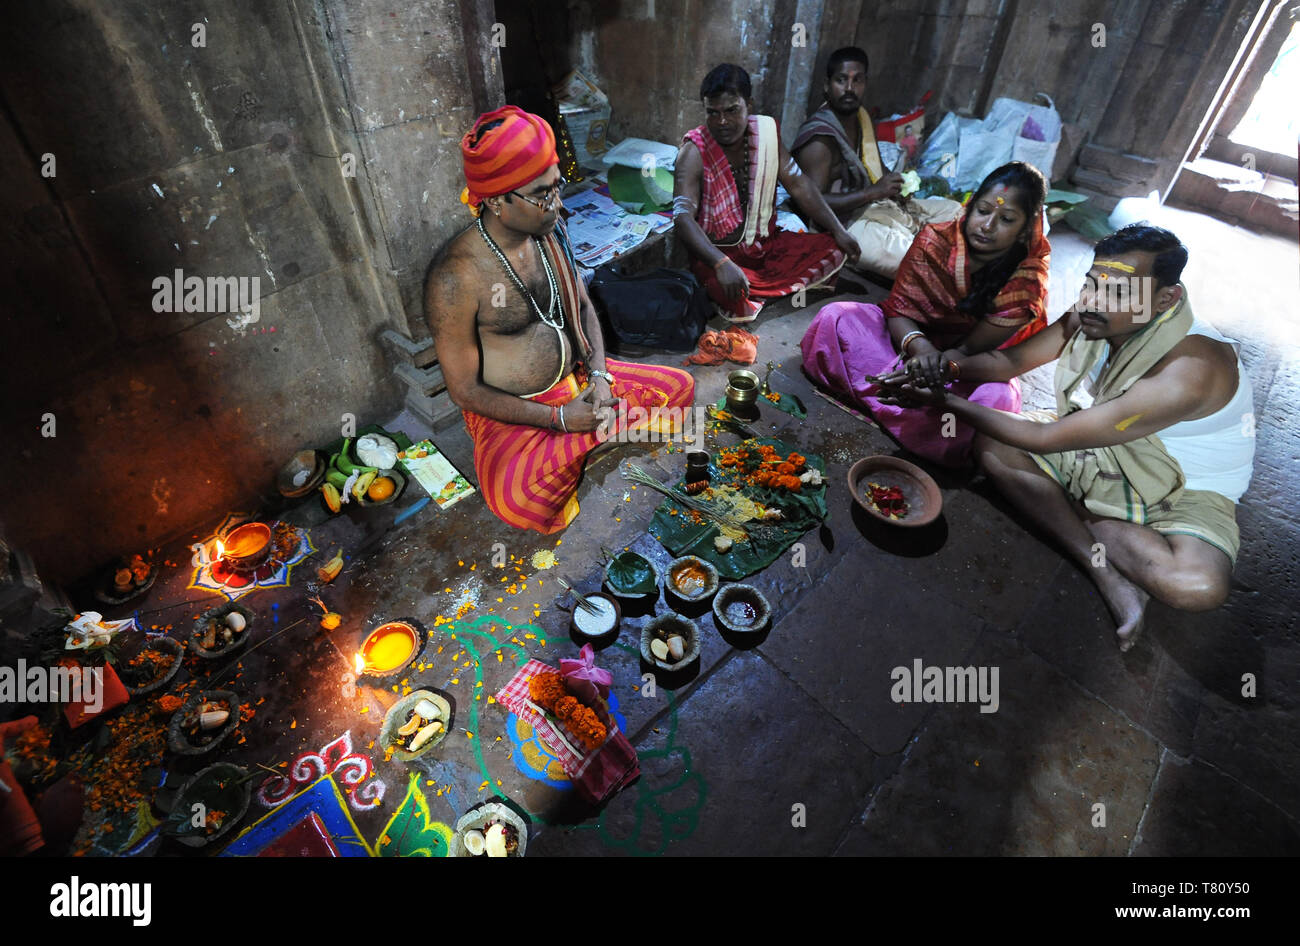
(584, 679)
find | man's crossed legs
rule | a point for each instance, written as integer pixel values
(1183, 571)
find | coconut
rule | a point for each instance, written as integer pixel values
(474, 842)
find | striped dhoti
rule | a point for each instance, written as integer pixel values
(529, 475)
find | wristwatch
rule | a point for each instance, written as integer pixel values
(601, 374)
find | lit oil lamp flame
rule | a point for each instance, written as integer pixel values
(221, 551)
(360, 663)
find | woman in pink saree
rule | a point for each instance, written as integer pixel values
(969, 285)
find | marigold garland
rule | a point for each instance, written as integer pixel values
(764, 466)
(547, 691)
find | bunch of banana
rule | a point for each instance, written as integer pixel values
(345, 480)
(424, 724)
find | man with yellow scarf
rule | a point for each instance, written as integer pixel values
(836, 149)
(1138, 471)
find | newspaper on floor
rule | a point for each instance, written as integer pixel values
(600, 230)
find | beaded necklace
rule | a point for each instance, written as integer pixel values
(549, 316)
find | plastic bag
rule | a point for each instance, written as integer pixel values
(939, 159)
(981, 151)
(1042, 121)
(964, 151)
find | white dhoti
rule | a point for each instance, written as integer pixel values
(884, 230)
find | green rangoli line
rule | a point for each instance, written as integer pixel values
(676, 825)
(473, 628)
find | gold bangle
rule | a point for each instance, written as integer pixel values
(907, 340)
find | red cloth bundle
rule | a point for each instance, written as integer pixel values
(596, 774)
(731, 344)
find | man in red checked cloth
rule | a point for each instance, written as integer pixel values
(724, 197)
(518, 341)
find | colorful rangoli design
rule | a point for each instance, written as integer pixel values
(217, 577)
(314, 822)
(353, 771)
(535, 759)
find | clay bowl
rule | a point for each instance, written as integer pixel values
(246, 547)
(106, 591)
(301, 475)
(478, 817)
(735, 603)
(192, 792)
(396, 718)
(399, 484)
(588, 635)
(222, 648)
(671, 624)
(178, 739)
(924, 501)
(168, 646)
(700, 596)
(400, 628)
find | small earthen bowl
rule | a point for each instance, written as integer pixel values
(399, 485)
(671, 624)
(729, 604)
(924, 501)
(710, 582)
(397, 717)
(633, 596)
(190, 794)
(166, 645)
(303, 462)
(618, 616)
(238, 640)
(178, 740)
(478, 817)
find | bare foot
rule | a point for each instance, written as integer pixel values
(1128, 604)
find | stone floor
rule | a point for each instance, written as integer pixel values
(793, 745)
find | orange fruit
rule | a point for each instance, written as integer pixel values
(381, 489)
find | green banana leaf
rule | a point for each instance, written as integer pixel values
(788, 403)
(631, 574)
(1089, 221)
(803, 511)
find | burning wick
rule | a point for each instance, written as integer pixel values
(360, 663)
(217, 564)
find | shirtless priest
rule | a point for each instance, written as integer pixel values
(518, 341)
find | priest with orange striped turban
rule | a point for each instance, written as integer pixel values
(518, 340)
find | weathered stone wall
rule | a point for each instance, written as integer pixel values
(649, 56)
(416, 76)
(220, 160)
